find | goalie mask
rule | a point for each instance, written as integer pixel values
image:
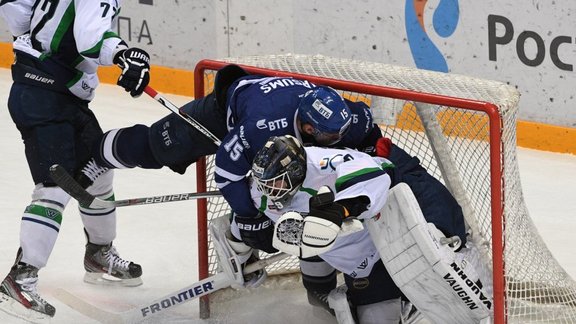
(326, 111)
(279, 168)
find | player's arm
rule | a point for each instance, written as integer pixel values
(17, 15)
(232, 166)
(363, 133)
(362, 186)
(96, 41)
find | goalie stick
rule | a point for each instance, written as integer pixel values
(173, 108)
(65, 181)
(159, 306)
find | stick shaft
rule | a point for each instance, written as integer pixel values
(65, 181)
(173, 108)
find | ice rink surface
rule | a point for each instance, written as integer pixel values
(162, 237)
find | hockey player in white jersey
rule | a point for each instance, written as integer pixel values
(58, 47)
(294, 186)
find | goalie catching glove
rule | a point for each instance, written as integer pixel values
(135, 65)
(316, 233)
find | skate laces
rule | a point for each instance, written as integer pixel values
(92, 170)
(114, 260)
(29, 286)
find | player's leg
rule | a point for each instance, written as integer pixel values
(42, 119)
(171, 141)
(375, 298)
(319, 278)
(441, 283)
(102, 261)
(231, 251)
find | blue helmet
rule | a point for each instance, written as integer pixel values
(326, 111)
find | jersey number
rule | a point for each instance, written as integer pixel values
(106, 6)
(48, 9)
(234, 148)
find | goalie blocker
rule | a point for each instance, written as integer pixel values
(442, 284)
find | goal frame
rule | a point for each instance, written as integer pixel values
(496, 170)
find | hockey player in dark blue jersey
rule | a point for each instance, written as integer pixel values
(243, 111)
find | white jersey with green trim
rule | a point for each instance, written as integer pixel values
(17, 15)
(77, 34)
(349, 174)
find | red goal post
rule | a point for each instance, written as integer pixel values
(463, 131)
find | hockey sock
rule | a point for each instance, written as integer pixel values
(125, 148)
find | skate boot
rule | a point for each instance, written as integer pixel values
(104, 266)
(18, 295)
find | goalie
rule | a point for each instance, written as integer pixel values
(294, 186)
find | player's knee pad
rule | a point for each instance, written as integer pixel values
(442, 285)
(315, 267)
(319, 278)
(317, 275)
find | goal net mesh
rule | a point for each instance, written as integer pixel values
(536, 289)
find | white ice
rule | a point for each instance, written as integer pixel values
(162, 237)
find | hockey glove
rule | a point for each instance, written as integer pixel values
(383, 147)
(307, 236)
(256, 232)
(323, 206)
(135, 65)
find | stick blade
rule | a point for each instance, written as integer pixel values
(87, 309)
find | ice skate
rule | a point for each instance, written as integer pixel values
(104, 266)
(19, 298)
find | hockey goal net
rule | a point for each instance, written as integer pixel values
(463, 130)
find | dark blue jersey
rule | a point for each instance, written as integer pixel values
(257, 108)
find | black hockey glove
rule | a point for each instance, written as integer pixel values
(135, 64)
(256, 232)
(323, 206)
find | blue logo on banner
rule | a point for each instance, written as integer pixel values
(445, 19)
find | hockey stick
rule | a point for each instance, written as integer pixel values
(74, 189)
(173, 108)
(160, 305)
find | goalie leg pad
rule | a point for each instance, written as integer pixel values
(384, 312)
(427, 271)
(233, 255)
(338, 301)
(228, 260)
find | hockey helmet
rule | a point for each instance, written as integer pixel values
(279, 168)
(326, 111)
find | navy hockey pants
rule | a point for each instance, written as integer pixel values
(177, 144)
(56, 129)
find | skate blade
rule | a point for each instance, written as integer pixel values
(13, 308)
(104, 279)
